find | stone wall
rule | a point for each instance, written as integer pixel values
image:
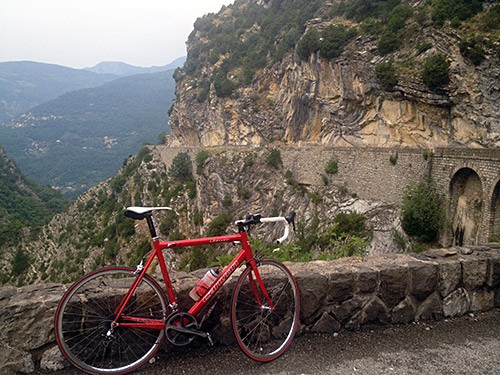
(335, 295)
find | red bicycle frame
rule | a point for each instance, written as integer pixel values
(245, 255)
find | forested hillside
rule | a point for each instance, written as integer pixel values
(24, 202)
(81, 138)
(25, 84)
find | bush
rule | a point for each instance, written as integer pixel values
(435, 72)
(388, 42)
(422, 211)
(332, 167)
(274, 159)
(472, 50)
(200, 159)
(218, 226)
(491, 20)
(181, 167)
(308, 44)
(386, 74)
(443, 10)
(334, 39)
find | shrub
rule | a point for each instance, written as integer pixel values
(308, 44)
(20, 262)
(274, 159)
(332, 167)
(200, 159)
(491, 20)
(394, 158)
(472, 50)
(218, 226)
(422, 210)
(435, 72)
(334, 39)
(386, 74)
(443, 10)
(181, 167)
(388, 42)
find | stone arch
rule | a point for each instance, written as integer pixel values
(495, 211)
(466, 207)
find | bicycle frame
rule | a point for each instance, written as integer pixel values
(245, 255)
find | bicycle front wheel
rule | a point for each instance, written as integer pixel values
(264, 329)
(84, 316)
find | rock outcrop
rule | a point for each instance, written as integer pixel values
(340, 102)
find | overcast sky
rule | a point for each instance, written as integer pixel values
(82, 33)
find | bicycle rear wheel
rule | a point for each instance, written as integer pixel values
(84, 316)
(263, 331)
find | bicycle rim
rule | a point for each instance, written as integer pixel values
(86, 311)
(264, 332)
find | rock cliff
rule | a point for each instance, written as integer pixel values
(339, 101)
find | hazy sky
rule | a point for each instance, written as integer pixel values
(82, 33)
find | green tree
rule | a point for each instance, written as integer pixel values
(435, 72)
(386, 74)
(388, 42)
(308, 44)
(422, 210)
(181, 167)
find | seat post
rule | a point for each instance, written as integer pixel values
(151, 226)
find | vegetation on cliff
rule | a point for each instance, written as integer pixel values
(24, 203)
(228, 48)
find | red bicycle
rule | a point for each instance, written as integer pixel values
(113, 320)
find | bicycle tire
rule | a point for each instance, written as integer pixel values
(264, 333)
(86, 310)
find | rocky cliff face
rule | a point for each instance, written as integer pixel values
(340, 102)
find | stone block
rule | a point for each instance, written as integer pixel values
(53, 360)
(375, 311)
(405, 311)
(450, 275)
(347, 308)
(431, 308)
(326, 324)
(423, 278)
(482, 300)
(456, 303)
(312, 288)
(474, 271)
(341, 285)
(493, 279)
(14, 361)
(367, 280)
(393, 284)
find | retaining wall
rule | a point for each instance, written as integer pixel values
(335, 295)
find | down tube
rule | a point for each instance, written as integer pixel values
(226, 274)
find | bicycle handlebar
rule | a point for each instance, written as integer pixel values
(256, 219)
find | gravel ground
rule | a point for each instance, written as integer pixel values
(465, 345)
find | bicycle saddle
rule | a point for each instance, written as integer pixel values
(139, 213)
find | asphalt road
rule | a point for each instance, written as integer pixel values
(466, 345)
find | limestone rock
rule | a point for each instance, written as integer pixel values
(456, 303)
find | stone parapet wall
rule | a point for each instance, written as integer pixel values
(335, 295)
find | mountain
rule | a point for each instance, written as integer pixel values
(24, 202)
(25, 84)
(342, 73)
(122, 69)
(81, 138)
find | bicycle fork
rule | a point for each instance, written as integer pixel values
(261, 286)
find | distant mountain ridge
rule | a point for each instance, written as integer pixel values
(123, 69)
(26, 84)
(81, 138)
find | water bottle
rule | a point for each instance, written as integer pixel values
(204, 284)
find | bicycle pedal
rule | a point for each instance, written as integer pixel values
(210, 339)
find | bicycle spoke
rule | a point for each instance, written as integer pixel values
(85, 316)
